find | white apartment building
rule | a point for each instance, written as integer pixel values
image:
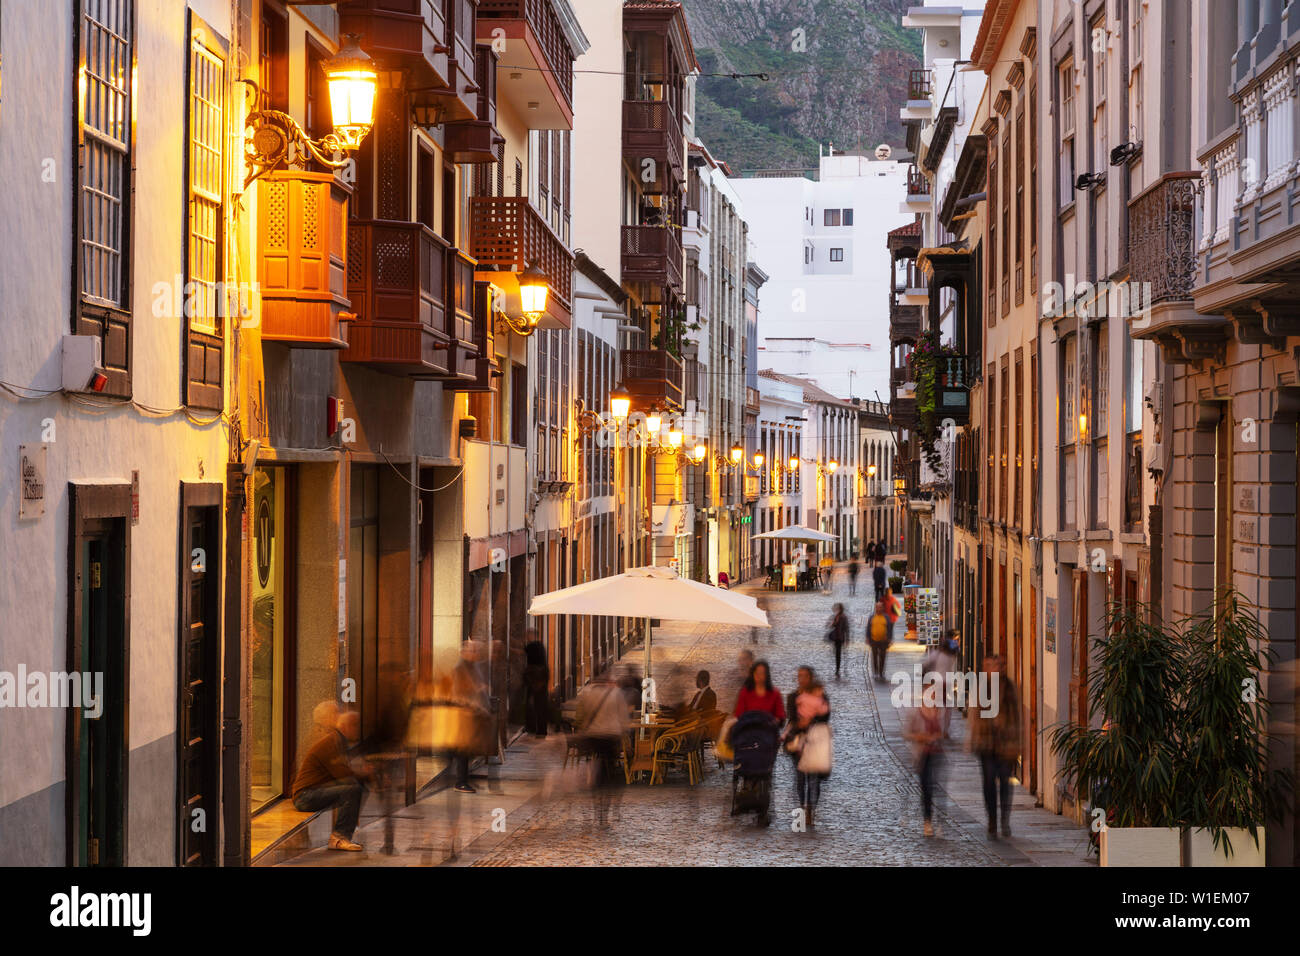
(818, 240)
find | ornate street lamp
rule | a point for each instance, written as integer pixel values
(277, 138)
(533, 290)
(737, 454)
(620, 402)
(758, 459)
(675, 436)
(653, 422)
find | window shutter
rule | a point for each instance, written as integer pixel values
(204, 317)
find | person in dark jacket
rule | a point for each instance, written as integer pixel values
(537, 677)
(837, 632)
(854, 569)
(705, 699)
(880, 551)
(880, 579)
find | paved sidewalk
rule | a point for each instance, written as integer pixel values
(1038, 836)
(538, 813)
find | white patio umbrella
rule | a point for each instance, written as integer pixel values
(652, 592)
(796, 532)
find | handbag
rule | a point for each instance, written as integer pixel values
(722, 746)
(794, 743)
(816, 756)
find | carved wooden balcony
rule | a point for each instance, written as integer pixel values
(653, 254)
(397, 281)
(506, 235)
(652, 129)
(535, 41)
(302, 259)
(484, 362)
(653, 377)
(477, 140)
(904, 322)
(917, 183)
(455, 100)
(409, 35)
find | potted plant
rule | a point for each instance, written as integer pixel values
(1229, 790)
(1126, 769)
(896, 584)
(1179, 767)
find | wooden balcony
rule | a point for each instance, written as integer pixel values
(652, 129)
(652, 254)
(484, 361)
(535, 42)
(653, 377)
(953, 390)
(402, 35)
(407, 322)
(302, 259)
(506, 235)
(455, 100)
(477, 140)
(904, 322)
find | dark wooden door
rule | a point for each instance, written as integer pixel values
(102, 755)
(199, 689)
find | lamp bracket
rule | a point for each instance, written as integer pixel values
(277, 138)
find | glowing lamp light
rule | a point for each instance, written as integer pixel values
(871, 471)
(533, 290)
(1083, 424)
(794, 462)
(620, 402)
(653, 422)
(758, 459)
(700, 451)
(352, 81)
(675, 437)
(832, 465)
(737, 453)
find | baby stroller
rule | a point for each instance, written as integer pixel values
(755, 739)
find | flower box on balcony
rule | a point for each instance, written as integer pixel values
(302, 259)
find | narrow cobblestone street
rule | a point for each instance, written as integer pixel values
(870, 810)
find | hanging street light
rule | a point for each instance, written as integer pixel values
(620, 402)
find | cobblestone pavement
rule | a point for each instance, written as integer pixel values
(869, 814)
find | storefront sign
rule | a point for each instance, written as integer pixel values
(31, 480)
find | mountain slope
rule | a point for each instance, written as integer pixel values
(838, 74)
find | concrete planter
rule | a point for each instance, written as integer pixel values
(1140, 846)
(1198, 848)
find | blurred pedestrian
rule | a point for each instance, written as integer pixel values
(940, 660)
(854, 570)
(837, 632)
(925, 731)
(879, 554)
(995, 739)
(603, 717)
(537, 679)
(806, 741)
(881, 580)
(327, 779)
(744, 665)
(880, 634)
(469, 693)
(759, 694)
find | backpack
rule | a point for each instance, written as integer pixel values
(878, 628)
(891, 608)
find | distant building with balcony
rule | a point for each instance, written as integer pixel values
(816, 238)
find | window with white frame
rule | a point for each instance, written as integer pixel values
(837, 255)
(1136, 11)
(1065, 102)
(1101, 151)
(106, 85)
(205, 170)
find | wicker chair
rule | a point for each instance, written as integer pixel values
(676, 747)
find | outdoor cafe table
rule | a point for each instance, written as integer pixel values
(643, 746)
